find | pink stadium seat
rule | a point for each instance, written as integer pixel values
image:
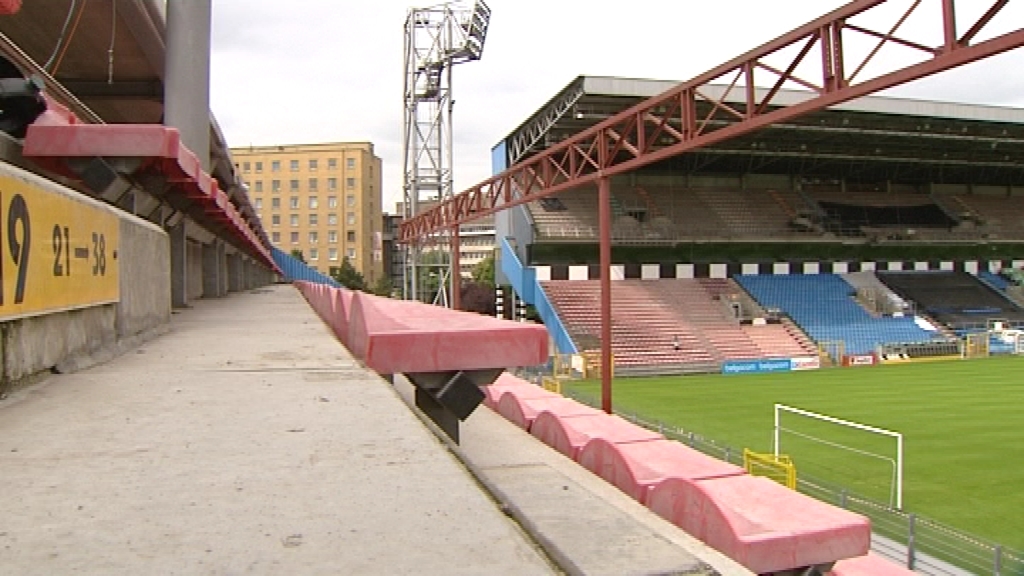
(523, 411)
(761, 524)
(341, 306)
(637, 466)
(869, 565)
(506, 382)
(569, 434)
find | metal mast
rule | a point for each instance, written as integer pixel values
(436, 39)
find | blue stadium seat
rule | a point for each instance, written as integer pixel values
(823, 305)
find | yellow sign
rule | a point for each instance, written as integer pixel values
(56, 252)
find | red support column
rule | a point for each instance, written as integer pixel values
(456, 270)
(604, 201)
(949, 25)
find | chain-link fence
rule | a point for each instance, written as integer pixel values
(923, 545)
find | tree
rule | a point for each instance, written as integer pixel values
(477, 297)
(383, 287)
(297, 254)
(483, 272)
(348, 276)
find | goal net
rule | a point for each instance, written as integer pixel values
(862, 459)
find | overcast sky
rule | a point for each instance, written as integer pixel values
(331, 70)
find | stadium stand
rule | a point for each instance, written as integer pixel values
(956, 298)
(650, 317)
(823, 306)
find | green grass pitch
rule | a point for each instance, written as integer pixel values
(962, 423)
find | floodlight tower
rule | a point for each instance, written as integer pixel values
(436, 39)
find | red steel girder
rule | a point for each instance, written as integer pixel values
(668, 124)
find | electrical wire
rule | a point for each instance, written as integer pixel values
(63, 31)
(71, 34)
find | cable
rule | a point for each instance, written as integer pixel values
(60, 39)
(71, 34)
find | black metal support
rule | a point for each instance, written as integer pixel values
(448, 397)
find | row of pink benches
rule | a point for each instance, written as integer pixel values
(398, 336)
(59, 142)
(755, 521)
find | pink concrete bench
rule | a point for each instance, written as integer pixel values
(150, 149)
(519, 392)
(568, 434)
(637, 466)
(396, 336)
(869, 565)
(760, 523)
(505, 381)
(523, 411)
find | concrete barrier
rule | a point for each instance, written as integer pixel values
(637, 466)
(759, 523)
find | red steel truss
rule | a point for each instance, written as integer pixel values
(688, 117)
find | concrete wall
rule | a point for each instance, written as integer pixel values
(145, 277)
(195, 270)
(37, 344)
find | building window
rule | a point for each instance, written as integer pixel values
(275, 166)
(332, 237)
(313, 203)
(259, 203)
(275, 186)
(313, 184)
(293, 202)
(350, 253)
(332, 184)
(294, 220)
(275, 203)
(332, 163)
(312, 164)
(350, 162)
(293, 185)
(295, 237)
(350, 236)
(332, 201)
(350, 183)
(332, 219)
(312, 220)
(314, 238)
(293, 165)
(245, 167)
(314, 254)
(350, 218)
(350, 200)
(259, 167)
(275, 237)
(332, 254)
(258, 186)
(275, 220)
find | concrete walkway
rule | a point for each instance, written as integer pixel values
(248, 441)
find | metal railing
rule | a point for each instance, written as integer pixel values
(913, 541)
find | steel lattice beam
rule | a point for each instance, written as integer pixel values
(686, 117)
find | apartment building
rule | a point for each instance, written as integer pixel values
(321, 199)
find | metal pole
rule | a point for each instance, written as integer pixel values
(499, 303)
(997, 565)
(456, 270)
(775, 440)
(187, 78)
(605, 225)
(911, 538)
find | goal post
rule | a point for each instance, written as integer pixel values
(898, 437)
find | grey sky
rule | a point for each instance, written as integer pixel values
(331, 70)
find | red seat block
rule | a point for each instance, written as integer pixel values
(341, 306)
(568, 434)
(760, 523)
(869, 565)
(520, 390)
(637, 466)
(523, 411)
(395, 336)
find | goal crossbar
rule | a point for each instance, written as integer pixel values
(779, 408)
